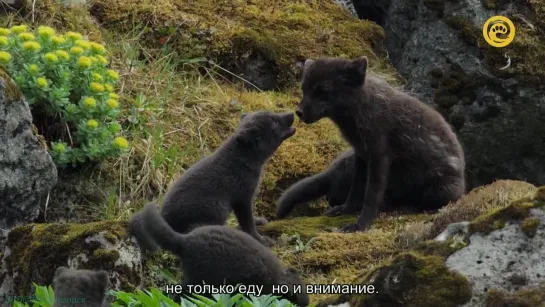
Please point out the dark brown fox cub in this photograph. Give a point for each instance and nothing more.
(85, 288)
(223, 182)
(220, 255)
(406, 153)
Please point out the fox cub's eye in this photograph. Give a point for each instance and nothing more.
(321, 90)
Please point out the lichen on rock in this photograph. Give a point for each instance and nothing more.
(504, 252)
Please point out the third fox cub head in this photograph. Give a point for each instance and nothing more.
(328, 85)
(265, 131)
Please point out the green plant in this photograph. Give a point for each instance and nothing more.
(44, 297)
(300, 246)
(66, 82)
(154, 297)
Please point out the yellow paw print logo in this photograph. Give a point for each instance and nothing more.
(499, 31)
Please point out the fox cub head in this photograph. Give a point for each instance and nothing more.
(264, 131)
(87, 287)
(329, 84)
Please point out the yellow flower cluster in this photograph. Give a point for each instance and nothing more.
(58, 39)
(59, 148)
(96, 87)
(112, 74)
(98, 48)
(63, 55)
(121, 142)
(41, 82)
(112, 103)
(19, 29)
(102, 59)
(97, 77)
(83, 44)
(5, 57)
(74, 35)
(90, 102)
(45, 31)
(84, 62)
(25, 36)
(33, 69)
(4, 31)
(76, 50)
(51, 58)
(92, 124)
(3, 41)
(31, 46)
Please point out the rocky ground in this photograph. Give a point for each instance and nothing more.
(189, 68)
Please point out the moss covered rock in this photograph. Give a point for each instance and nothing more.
(533, 296)
(260, 40)
(504, 253)
(411, 279)
(34, 251)
(479, 201)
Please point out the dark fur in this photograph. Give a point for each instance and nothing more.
(80, 284)
(405, 149)
(334, 183)
(220, 255)
(225, 181)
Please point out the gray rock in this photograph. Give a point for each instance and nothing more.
(373, 10)
(27, 172)
(505, 259)
(347, 4)
(499, 121)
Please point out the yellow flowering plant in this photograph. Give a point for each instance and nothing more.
(70, 89)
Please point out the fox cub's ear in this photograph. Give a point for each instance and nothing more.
(356, 71)
(247, 136)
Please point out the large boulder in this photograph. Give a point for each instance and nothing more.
(494, 260)
(438, 46)
(27, 172)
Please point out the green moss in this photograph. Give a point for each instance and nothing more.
(112, 238)
(412, 279)
(154, 269)
(527, 50)
(455, 86)
(38, 249)
(467, 31)
(529, 226)
(494, 220)
(528, 297)
(10, 89)
(499, 224)
(231, 31)
(306, 227)
(540, 194)
(434, 248)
